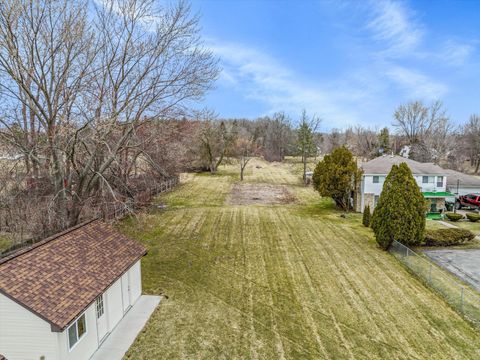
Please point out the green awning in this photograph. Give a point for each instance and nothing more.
(437, 194)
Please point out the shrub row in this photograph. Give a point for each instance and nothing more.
(446, 237)
(473, 217)
(453, 216)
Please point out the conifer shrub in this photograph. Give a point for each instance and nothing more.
(366, 216)
(473, 217)
(400, 212)
(447, 237)
(453, 216)
(336, 176)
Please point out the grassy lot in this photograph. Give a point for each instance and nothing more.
(5, 242)
(434, 225)
(292, 281)
(472, 226)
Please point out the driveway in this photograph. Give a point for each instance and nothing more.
(463, 263)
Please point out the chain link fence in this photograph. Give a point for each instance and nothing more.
(461, 297)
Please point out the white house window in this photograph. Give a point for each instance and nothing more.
(439, 181)
(375, 200)
(100, 310)
(428, 179)
(76, 331)
(378, 179)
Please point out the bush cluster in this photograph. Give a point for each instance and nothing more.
(473, 217)
(366, 216)
(453, 216)
(447, 237)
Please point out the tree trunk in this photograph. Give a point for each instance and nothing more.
(304, 160)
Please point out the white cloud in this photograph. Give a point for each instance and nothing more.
(264, 79)
(393, 25)
(416, 84)
(456, 54)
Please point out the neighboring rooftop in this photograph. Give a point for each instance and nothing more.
(61, 276)
(465, 179)
(383, 164)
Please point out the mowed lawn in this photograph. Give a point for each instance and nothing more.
(290, 281)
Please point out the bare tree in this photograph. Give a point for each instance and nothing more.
(425, 129)
(216, 140)
(245, 148)
(471, 138)
(276, 135)
(88, 81)
(366, 142)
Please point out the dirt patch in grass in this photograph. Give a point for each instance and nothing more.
(259, 194)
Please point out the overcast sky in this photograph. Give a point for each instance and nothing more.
(349, 62)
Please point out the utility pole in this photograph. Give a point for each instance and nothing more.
(455, 203)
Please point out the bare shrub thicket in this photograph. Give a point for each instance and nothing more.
(79, 89)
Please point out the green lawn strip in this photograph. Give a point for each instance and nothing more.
(5, 243)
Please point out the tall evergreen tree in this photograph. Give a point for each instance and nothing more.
(336, 176)
(400, 212)
(305, 142)
(383, 141)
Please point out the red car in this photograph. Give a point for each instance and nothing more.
(469, 200)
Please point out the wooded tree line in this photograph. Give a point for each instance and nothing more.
(81, 86)
(97, 105)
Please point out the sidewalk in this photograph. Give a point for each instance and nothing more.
(123, 336)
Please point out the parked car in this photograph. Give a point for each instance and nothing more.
(468, 201)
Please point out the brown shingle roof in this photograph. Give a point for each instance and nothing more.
(61, 276)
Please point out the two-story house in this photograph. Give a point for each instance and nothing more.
(431, 179)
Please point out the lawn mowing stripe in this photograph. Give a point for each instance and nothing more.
(330, 257)
(326, 316)
(428, 326)
(315, 282)
(345, 252)
(253, 344)
(266, 327)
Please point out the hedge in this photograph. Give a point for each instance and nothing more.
(446, 237)
(473, 217)
(453, 216)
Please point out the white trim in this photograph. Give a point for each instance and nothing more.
(74, 322)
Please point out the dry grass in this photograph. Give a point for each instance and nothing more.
(295, 281)
(259, 194)
(472, 226)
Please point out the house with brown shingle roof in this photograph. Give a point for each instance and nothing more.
(61, 297)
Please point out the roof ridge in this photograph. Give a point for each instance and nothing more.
(22, 251)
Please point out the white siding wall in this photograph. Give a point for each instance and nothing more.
(87, 345)
(23, 335)
(376, 188)
(135, 281)
(372, 188)
(113, 305)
